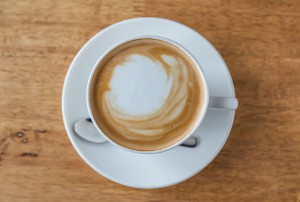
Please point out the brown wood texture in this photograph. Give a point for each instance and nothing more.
(259, 41)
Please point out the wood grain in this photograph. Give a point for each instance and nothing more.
(259, 41)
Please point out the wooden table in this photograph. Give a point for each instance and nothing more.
(259, 41)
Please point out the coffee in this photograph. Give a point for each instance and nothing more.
(146, 94)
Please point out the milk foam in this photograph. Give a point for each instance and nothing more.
(149, 89)
(147, 95)
(139, 86)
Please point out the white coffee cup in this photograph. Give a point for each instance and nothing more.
(95, 133)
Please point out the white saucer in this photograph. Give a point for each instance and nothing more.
(149, 170)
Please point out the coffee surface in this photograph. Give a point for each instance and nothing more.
(146, 95)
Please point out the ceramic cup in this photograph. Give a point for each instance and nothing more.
(226, 103)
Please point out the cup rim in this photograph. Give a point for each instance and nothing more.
(199, 69)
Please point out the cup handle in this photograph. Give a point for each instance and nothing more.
(223, 102)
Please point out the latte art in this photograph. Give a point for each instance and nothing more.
(147, 95)
(146, 103)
